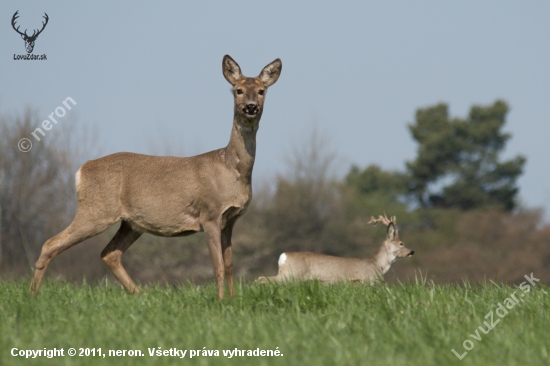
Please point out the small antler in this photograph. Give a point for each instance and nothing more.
(15, 16)
(43, 26)
(383, 220)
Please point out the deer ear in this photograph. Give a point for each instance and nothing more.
(231, 70)
(271, 72)
(392, 231)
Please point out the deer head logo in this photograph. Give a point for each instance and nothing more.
(29, 40)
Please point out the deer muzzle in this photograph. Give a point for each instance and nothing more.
(250, 109)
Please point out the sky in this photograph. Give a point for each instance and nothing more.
(148, 76)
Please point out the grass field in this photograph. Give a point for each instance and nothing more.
(310, 323)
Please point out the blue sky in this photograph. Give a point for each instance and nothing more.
(148, 74)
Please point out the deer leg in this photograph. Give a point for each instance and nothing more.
(227, 256)
(213, 234)
(79, 230)
(262, 279)
(112, 255)
(273, 279)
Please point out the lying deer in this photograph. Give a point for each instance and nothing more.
(326, 268)
(171, 196)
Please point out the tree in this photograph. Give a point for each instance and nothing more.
(458, 163)
(37, 197)
(304, 201)
(375, 180)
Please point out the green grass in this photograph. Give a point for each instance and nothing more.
(312, 324)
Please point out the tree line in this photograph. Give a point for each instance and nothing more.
(457, 202)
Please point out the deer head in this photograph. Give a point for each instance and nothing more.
(393, 244)
(249, 93)
(29, 40)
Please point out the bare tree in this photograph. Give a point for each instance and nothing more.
(305, 199)
(35, 199)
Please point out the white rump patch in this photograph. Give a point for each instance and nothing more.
(77, 179)
(282, 259)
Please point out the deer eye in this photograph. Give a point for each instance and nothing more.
(261, 92)
(401, 244)
(239, 91)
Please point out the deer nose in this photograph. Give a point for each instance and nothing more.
(251, 108)
(412, 252)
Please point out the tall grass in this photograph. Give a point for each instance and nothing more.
(311, 324)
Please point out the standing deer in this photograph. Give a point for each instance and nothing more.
(171, 196)
(326, 268)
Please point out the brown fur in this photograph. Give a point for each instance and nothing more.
(301, 266)
(171, 196)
